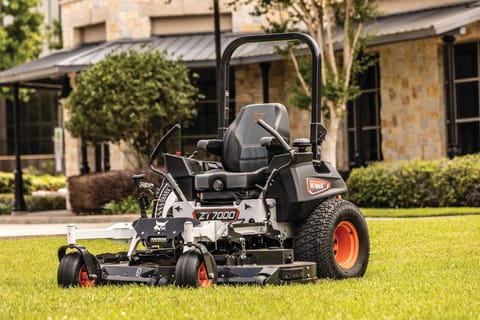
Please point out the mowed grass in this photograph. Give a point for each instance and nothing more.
(423, 268)
(419, 212)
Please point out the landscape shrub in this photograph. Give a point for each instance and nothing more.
(7, 183)
(47, 202)
(47, 182)
(122, 206)
(31, 182)
(5, 208)
(89, 193)
(33, 202)
(416, 183)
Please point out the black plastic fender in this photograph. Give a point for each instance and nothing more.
(91, 262)
(208, 259)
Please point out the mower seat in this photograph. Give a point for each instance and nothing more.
(243, 158)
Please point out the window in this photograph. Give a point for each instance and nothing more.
(364, 131)
(38, 119)
(466, 98)
(189, 24)
(205, 125)
(90, 34)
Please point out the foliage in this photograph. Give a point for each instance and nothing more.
(47, 202)
(46, 167)
(20, 35)
(31, 182)
(90, 192)
(324, 21)
(7, 183)
(48, 183)
(132, 96)
(122, 206)
(5, 208)
(419, 269)
(54, 35)
(417, 183)
(33, 202)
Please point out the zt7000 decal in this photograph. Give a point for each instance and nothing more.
(216, 214)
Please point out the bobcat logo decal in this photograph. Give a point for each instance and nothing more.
(258, 116)
(316, 186)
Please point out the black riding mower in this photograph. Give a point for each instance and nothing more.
(266, 213)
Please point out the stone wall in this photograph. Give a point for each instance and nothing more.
(131, 18)
(248, 89)
(412, 100)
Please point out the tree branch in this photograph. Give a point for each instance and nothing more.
(304, 85)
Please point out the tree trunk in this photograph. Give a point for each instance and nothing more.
(329, 146)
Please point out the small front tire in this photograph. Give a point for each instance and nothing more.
(191, 271)
(72, 272)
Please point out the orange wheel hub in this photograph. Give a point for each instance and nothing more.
(83, 278)
(203, 277)
(346, 245)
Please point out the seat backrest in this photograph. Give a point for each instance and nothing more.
(242, 151)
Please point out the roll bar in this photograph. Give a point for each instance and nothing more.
(317, 131)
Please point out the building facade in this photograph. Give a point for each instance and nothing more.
(420, 100)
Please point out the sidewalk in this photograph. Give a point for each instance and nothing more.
(54, 223)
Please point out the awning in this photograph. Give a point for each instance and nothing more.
(198, 50)
(422, 24)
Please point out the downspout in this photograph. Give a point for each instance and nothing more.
(265, 67)
(18, 201)
(452, 142)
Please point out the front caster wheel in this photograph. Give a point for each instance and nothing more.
(335, 236)
(190, 271)
(72, 271)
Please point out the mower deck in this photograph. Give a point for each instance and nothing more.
(265, 271)
(296, 272)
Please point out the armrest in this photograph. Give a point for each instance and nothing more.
(214, 146)
(270, 141)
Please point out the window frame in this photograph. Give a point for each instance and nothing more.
(459, 120)
(358, 158)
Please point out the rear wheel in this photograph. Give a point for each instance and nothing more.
(335, 236)
(72, 271)
(191, 271)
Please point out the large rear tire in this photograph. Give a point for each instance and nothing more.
(72, 272)
(335, 236)
(190, 271)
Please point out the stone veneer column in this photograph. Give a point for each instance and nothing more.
(412, 100)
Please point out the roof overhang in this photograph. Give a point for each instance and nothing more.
(422, 24)
(198, 50)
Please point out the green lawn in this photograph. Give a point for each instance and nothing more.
(419, 212)
(419, 269)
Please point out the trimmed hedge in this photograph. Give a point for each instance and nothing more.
(415, 183)
(31, 183)
(89, 193)
(46, 182)
(33, 202)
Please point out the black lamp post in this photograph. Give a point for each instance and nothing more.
(216, 22)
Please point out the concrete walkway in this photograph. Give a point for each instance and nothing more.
(54, 223)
